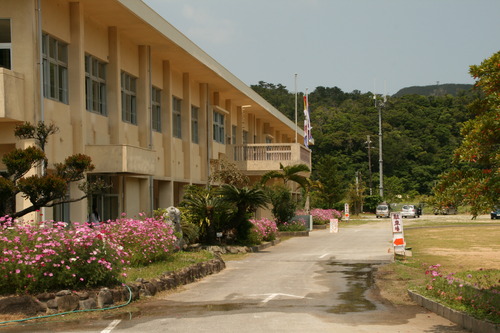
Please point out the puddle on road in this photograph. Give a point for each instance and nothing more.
(360, 280)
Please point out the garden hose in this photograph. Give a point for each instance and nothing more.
(69, 312)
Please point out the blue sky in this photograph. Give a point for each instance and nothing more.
(368, 45)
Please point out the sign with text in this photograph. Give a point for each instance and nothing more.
(346, 211)
(334, 225)
(398, 239)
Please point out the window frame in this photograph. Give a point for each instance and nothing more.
(7, 44)
(195, 129)
(129, 98)
(55, 69)
(156, 109)
(176, 117)
(218, 127)
(95, 76)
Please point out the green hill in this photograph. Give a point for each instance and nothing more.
(434, 90)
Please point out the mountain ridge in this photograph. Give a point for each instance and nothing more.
(434, 90)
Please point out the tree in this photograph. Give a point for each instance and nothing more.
(289, 173)
(247, 201)
(46, 189)
(225, 172)
(283, 206)
(475, 177)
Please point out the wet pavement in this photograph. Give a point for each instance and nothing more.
(320, 283)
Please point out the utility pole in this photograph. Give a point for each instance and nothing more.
(368, 142)
(379, 105)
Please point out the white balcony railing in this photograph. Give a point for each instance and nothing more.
(268, 156)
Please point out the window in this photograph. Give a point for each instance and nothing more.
(129, 98)
(156, 109)
(233, 134)
(245, 137)
(95, 85)
(218, 127)
(176, 117)
(5, 44)
(194, 124)
(55, 69)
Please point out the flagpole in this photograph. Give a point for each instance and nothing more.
(296, 128)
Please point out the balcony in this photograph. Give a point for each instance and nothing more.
(11, 95)
(122, 158)
(260, 158)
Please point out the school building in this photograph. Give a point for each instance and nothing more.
(125, 87)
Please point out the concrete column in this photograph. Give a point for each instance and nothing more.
(186, 125)
(166, 194)
(239, 125)
(144, 97)
(166, 119)
(227, 125)
(113, 82)
(204, 131)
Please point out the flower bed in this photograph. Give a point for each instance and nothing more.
(323, 216)
(477, 293)
(264, 230)
(46, 256)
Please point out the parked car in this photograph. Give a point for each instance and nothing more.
(495, 213)
(383, 210)
(411, 211)
(449, 210)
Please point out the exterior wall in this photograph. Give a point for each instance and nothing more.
(148, 168)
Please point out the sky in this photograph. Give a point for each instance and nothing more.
(368, 45)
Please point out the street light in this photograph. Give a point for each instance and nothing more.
(379, 104)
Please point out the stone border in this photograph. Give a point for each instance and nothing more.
(460, 318)
(87, 300)
(294, 233)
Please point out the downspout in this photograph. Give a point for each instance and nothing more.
(208, 136)
(150, 108)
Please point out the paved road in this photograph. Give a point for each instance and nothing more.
(320, 283)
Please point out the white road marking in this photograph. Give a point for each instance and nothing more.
(272, 296)
(111, 326)
(324, 255)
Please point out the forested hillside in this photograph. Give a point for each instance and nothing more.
(435, 90)
(419, 136)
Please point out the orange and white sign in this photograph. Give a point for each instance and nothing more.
(398, 239)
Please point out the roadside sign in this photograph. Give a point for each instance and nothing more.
(398, 239)
(346, 211)
(334, 225)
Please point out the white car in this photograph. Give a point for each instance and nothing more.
(410, 211)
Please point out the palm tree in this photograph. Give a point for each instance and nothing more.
(247, 201)
(207, 210)
(289, 173)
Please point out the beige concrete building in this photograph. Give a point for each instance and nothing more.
(144, 102)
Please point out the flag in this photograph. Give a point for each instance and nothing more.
(308, 139)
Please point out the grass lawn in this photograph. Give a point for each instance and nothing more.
(176, 261)
(461, 246)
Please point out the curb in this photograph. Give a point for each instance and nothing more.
(460, 318)
(294, 233)
(65, 301)
(263, 246)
